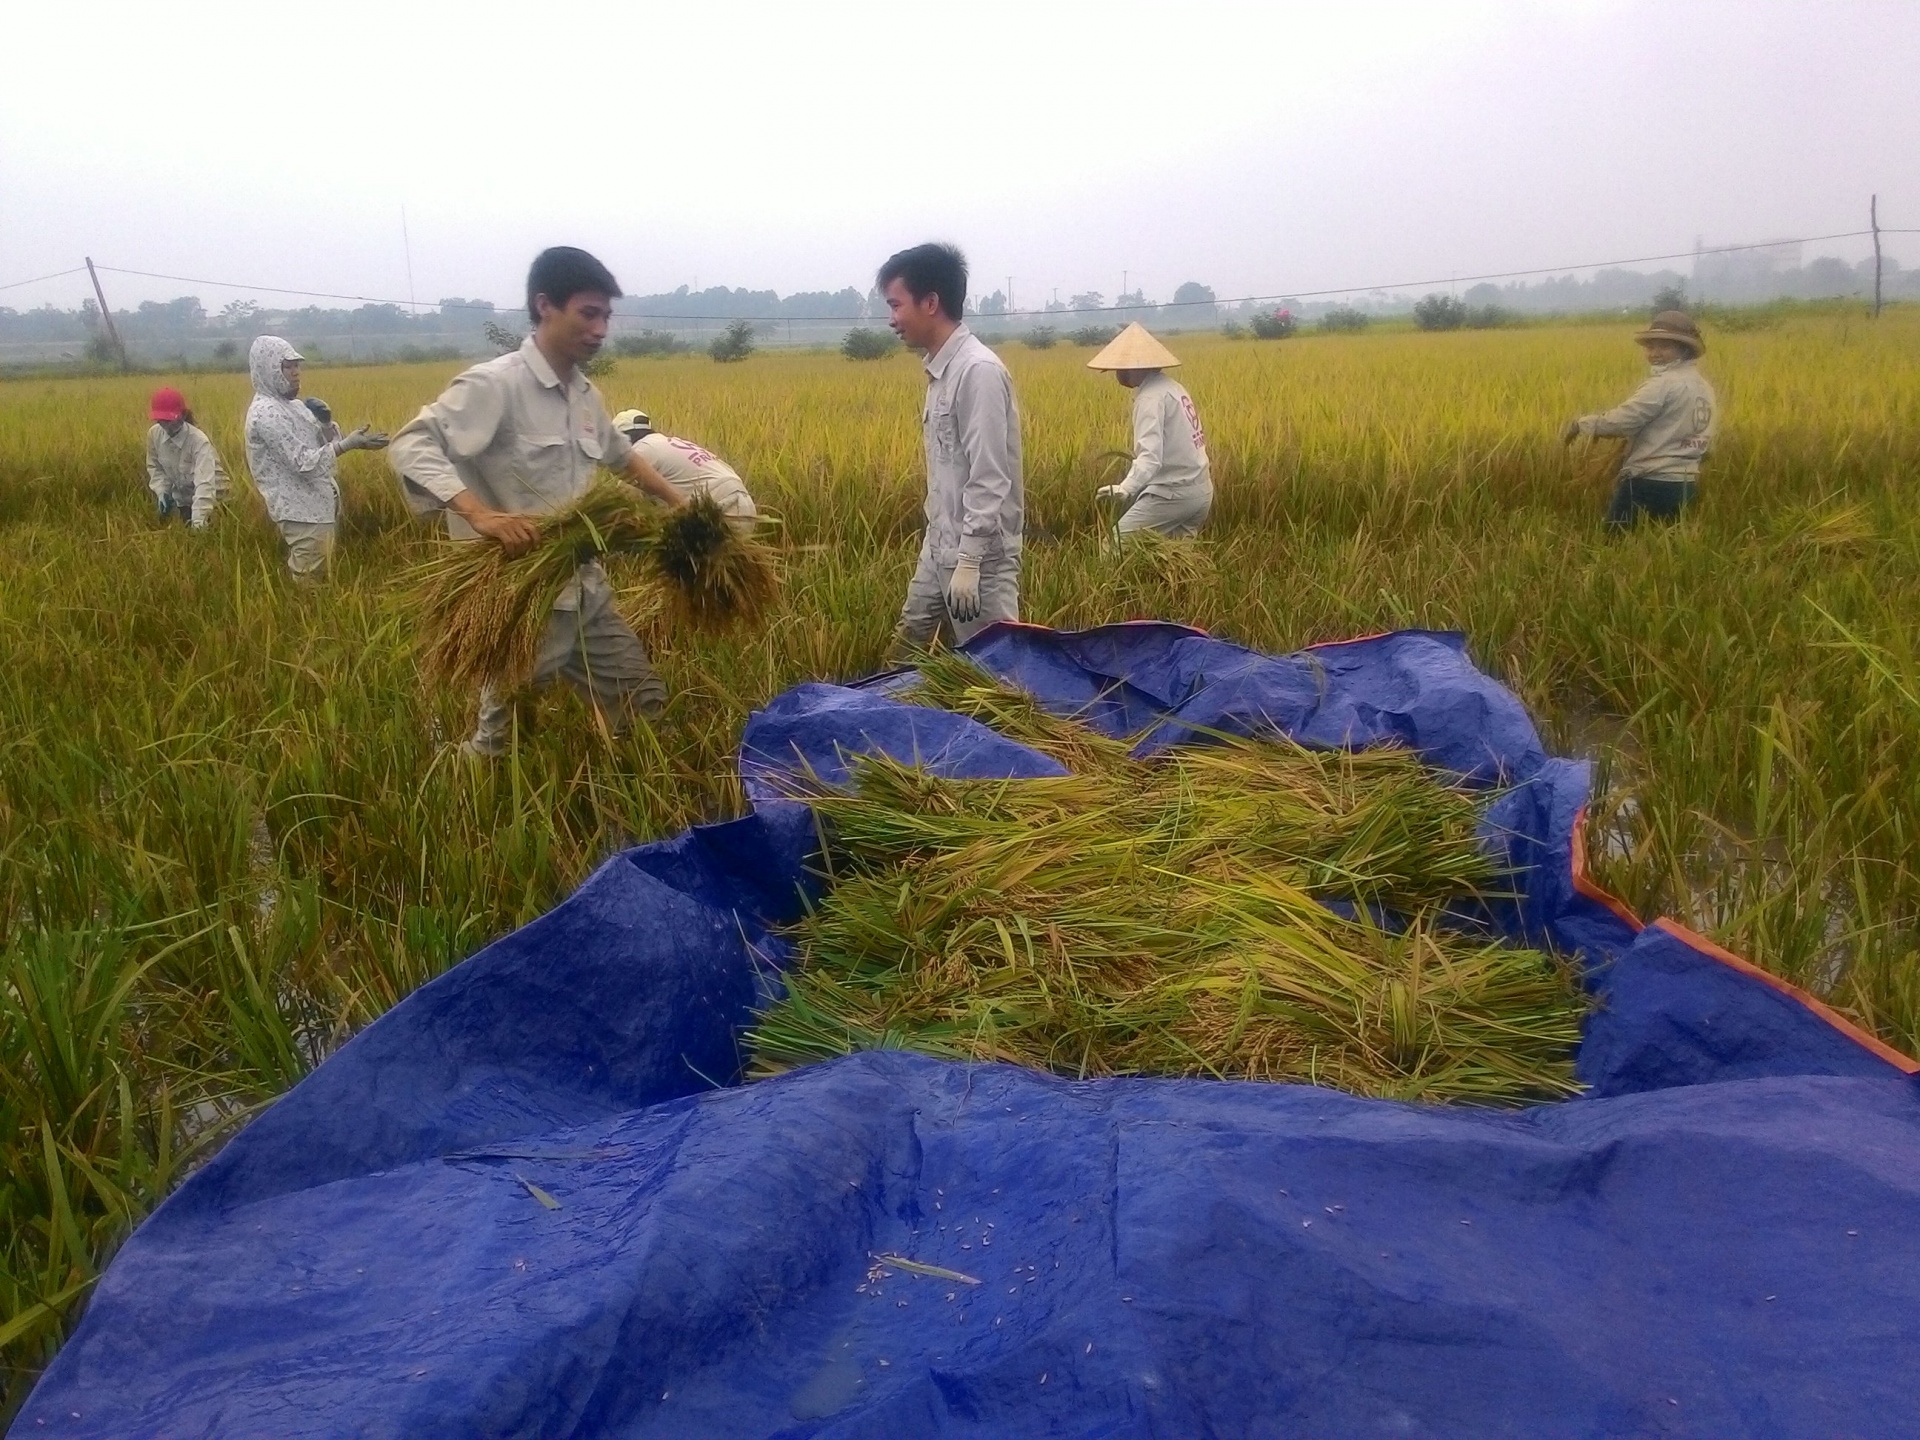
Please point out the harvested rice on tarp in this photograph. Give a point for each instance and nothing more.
(1169, 917)
(484, 613)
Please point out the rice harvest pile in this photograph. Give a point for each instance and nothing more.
(484, 613)
(1165, 918)
(230, 834)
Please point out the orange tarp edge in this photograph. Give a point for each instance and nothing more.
(1584, 883)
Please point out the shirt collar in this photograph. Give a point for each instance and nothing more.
(542, 371)
(937, 364)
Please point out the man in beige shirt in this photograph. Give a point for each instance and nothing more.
(522, 436)
(1669, 422)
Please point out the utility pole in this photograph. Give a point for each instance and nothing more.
(1011, 307)
(106, 316)
(1873, 214)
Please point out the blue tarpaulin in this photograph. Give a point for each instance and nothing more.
(532, 1199)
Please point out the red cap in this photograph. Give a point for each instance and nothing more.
(168, 404)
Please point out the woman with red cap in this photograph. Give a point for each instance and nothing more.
(183, 468)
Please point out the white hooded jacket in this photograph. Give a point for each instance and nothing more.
(293, 466)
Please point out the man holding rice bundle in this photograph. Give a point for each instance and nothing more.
(691, 469)
(1169, 488)
(969, 570)
(522, 436)
(183, 468)
(1669, 424)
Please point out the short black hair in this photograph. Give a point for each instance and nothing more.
(562, 272)
(934, 268)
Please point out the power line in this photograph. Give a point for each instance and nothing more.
(57, 275)
(1025, 314)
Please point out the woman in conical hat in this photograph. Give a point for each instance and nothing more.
(1169, 489)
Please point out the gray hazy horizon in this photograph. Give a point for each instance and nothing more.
(1259, 150)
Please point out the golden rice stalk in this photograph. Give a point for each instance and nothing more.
(483, 613)
(1597, 461)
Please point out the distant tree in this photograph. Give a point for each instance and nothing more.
(650, 342)
(1344, 317)
(1193, 293)
(735, 344)
(1091, 335)
(239, 314)
(1041, 337)
(1439, 312)
(865, 344)
(502, 339)
(1089, 300)
(1273, 324)
(994, 304)
(1670, 297)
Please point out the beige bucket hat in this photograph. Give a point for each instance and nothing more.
(1134, 349)
(1677, 326)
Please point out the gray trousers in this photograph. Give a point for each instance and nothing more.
(594, 651)
(309, 547)
(925, 614)
(1177, 516)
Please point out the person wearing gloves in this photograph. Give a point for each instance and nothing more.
(183, 468)
(322, 416)
(1169, 489)
(523, 436)
(1669, 422)
(969, 571)
(292, 462)
(690, 469)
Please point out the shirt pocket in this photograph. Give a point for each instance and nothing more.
(943, 430)
(543, 458)
(591, 448)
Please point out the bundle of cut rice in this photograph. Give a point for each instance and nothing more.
(1247, 908)
(484, 613)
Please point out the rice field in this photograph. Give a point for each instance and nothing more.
(232, 828)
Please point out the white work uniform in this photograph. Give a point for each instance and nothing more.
(1169, 489)
(695, 472)
(1672, 418)
(522, 441)
(976, 502)
(292, 465)
(184, 472)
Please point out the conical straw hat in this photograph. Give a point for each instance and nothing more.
(1134, 349)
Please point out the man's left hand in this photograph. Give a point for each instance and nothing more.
(963, 591)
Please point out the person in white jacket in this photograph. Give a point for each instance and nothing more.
(1169, 488)
(292, 464)
(1669, 422)
(691, 469)
(183, 469)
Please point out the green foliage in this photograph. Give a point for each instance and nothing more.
(865, 344)
(1669, 297)
(1041, 337)
(1092, 336)
(1439, 312)
(650, 342)
(1344, 318)
(735, 344)
(1273, 324)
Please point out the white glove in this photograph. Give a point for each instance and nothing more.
(1109, 492)
(365, 438)
(963, 590)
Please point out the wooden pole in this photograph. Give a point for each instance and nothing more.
(1873, 213)
(106, 316)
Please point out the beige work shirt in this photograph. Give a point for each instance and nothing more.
(976, 504)
(1169, 447)
(1672, 419)
(694, 472)
(186, 469)
(509, 431)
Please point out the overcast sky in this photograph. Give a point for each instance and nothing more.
(1259, 148)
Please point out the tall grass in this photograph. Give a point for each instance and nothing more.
(231, 829)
